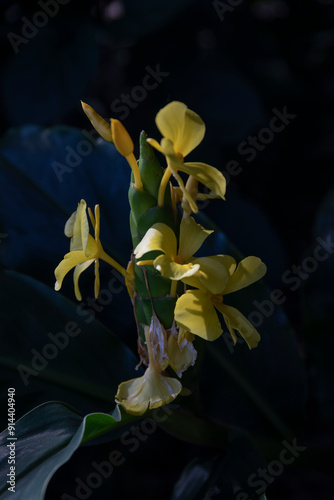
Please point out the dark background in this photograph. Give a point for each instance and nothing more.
(233, 68)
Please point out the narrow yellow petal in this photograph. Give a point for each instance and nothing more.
(70, 260)
(154, 144)
(195, 312)
(236, 321)
(207, 175)
(173, 270)
(249, 270)
(159, 237)
(80, 268)
(100, 125)
(121, 138)
(79, 228)
(192, 236)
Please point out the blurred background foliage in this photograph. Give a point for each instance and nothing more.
(264, 55)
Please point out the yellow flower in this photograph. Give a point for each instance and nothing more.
(196, 309)
(182, 131)
(153, 389)
(84, 249)
(174, 263)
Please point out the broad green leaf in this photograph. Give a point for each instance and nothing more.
(46, 438)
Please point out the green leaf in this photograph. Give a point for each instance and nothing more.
(46, 438)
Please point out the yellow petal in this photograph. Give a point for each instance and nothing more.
(100, 125)
(181, 357)
(207, 175)
(70, 260)
(76, 275)
(159, 237)
(192, 236)
(180, 125)
(121, 138)
(236, 321)
(195, 312)
(213, 275)
(249, 270)
(173, 270)
(152, 390)
(154, 144)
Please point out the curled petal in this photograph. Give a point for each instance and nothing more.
(181, 356)
(80, 268)
(71, 260)
(249, 270)
(150, 391)
(154, 144)
(173, 270)
(159, 237)
(207, 175)
(77, 228)
(236, 321)
(195, 312)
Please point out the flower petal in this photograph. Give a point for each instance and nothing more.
(212, 277)
(173, 270)
(79, 227)
(249, 270)
(192, 236)
(70, 260)
(195, 312)
(152, 390)
(80, 268)
(209, 176)
(181, 125)
(236, 321)
(159, 237)
(122, 140)
(154, 144)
